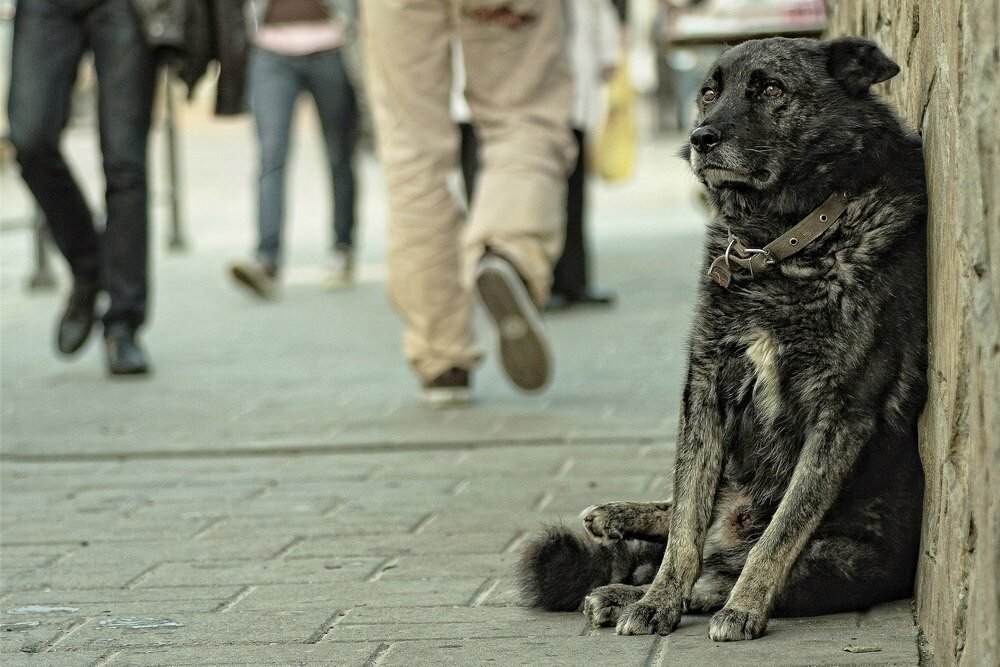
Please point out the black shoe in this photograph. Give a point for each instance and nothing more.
(78, 318)
(588, 297)
(449, 388)
(125, 357)
(524, 350)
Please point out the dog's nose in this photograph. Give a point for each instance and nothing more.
(705, 138)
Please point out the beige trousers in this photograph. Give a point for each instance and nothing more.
(519, 89)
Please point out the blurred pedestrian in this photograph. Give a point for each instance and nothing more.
(50, 37)
(594, 50)
(519, 90)
(299, 46)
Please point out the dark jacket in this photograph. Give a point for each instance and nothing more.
(190, 34)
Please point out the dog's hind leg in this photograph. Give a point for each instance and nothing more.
(837, 574)
(629, 521)
(830, 450)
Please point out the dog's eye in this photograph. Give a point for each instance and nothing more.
(772, 90)
(708, 95)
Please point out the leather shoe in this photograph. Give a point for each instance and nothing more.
(125, 357)
(588, 297)
(78, 319)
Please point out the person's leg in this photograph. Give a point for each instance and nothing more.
(48, 45)
(570, 273)
(519, 88)
(126, 81)
(469, 159)
(275, 83)
(410, 76)
(327, 80)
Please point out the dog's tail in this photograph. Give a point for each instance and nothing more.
(559, 567)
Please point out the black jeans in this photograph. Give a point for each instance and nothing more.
(569, 277)
(50, 37)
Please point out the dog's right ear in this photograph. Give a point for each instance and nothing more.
(858, 64)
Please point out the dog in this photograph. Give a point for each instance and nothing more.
(797, 481)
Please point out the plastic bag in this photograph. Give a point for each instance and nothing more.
(614, 152)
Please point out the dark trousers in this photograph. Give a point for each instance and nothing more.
(570, 273)
(569, 277)
(50, 37)
(275, 84)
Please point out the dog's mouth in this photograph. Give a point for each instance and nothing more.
(720, 176)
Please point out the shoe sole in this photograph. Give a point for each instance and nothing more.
(524, 350)
(440, 397)
(250, 281)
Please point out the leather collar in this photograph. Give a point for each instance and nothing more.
(737, 257)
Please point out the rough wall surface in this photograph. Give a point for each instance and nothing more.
(949, 92)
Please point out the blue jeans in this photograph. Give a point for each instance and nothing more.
(275, 83)
(50, 37)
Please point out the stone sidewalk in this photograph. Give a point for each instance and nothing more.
(276, 494)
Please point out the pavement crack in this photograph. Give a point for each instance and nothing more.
(657, 483)
(425, 521)
(281, 553)
(483, 592)
(462, 485)
(387, 564)
(327, 626)
(228, 603)
(66, 555)
(515, 542)
(141, 577)
(544, 500)
(565, 467)
(209, 527)
(106, 658)
(376, 658)
(655, 656)
(334, 507)
(62, 636)
(465, 445)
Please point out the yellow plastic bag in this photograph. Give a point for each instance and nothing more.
(614, 152)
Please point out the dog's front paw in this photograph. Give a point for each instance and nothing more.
(643, 618)
(605, 522)
(733, 625)
(605, 604)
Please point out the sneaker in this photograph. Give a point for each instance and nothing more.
(524, 350)
(449, 388)
(258, 276)
(340, 270)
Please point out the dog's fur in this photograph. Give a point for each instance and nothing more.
(797, 482)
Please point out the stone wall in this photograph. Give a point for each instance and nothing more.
(949, 92)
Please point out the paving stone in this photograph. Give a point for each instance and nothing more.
(423, 543)
(193, 629)
(301, 655)
(354, 595)
(301, 571)
(55, 659)
(521, 651)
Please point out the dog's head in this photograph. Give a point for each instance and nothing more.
(777, 109)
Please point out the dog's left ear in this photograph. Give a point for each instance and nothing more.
(858, 64)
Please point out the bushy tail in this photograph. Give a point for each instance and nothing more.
(559, 567)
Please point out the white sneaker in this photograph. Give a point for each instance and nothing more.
(340, 270)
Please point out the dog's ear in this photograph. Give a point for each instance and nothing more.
(858, 63)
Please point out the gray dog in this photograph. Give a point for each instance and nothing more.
(797, 482)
